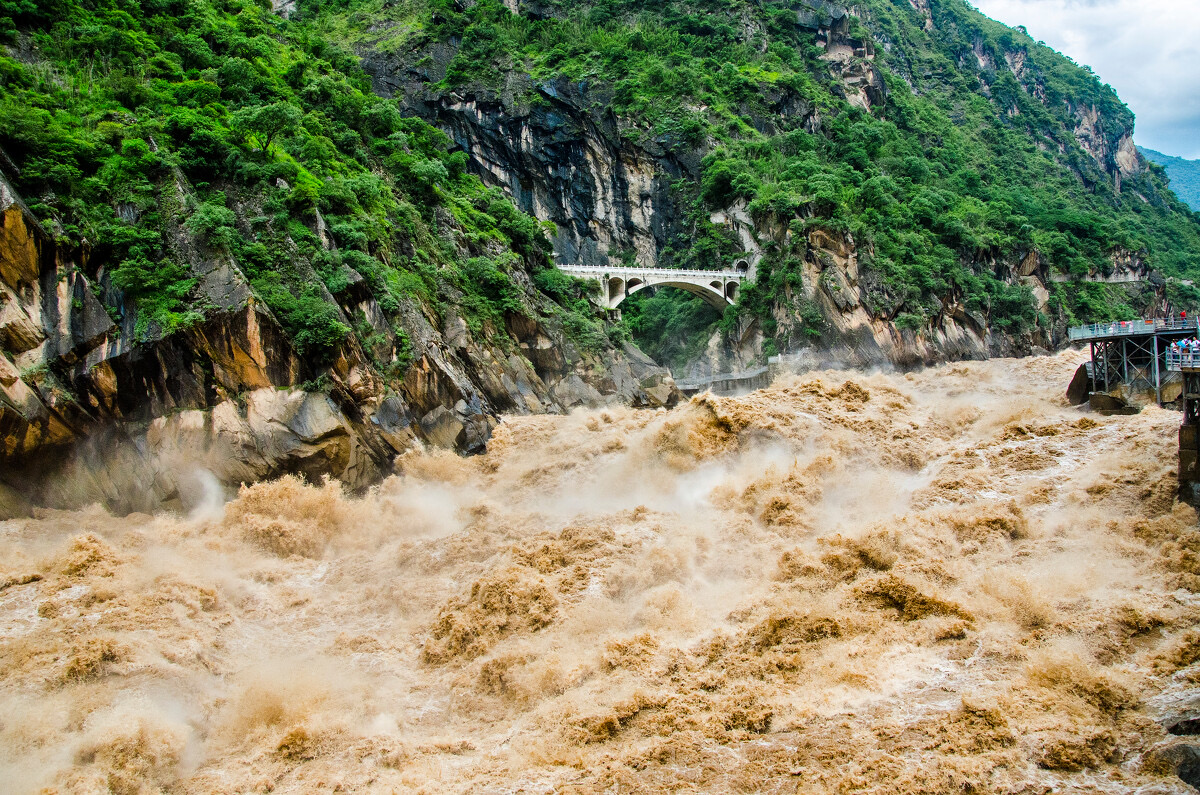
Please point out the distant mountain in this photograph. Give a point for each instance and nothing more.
(1184, 175)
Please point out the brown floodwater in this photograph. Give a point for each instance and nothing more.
(945, 581)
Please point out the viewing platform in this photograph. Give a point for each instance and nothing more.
(1130, 358)
(1135, 361)
(1183, 360)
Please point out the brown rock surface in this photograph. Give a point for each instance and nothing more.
(131, 415)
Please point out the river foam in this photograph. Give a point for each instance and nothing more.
(946, 581)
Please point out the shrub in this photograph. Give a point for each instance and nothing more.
(213, 222)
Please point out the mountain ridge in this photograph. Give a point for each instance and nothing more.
(1184, 175)
(943, 146)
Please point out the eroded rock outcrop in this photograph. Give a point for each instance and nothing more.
(850, 319)
(130, 417)
(562, 155)
(1108, 143)
(559, 156)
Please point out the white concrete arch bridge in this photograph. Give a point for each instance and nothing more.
(718, 288)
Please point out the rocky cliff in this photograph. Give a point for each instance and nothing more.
(850, 329)
(619, 187)
(559, 154)
(139, 423)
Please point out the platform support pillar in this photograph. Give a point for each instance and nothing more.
(1189, 439)
(1157, 379)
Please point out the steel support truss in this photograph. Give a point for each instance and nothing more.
(1138, 362)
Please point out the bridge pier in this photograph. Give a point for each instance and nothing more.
(1185, 360)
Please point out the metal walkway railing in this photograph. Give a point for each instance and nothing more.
(1125, 328)
(1183, 358)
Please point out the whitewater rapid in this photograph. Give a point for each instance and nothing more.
(944, 581)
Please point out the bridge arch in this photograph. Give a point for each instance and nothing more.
(616, 289)
(712, 295)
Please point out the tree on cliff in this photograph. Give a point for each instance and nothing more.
(262, 124)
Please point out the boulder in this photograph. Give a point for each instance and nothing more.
(1173, 757)
(1080, 386)
(442, 427)
(1108, 404)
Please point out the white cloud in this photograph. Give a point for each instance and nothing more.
(1148, 50)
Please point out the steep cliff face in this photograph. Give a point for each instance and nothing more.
(843, 324)
(1000, 59)
(559, 154)
(130, 421)
(613, 190)
(717, 172)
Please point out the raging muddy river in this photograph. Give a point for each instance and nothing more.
(946, 581)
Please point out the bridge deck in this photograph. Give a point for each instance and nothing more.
(718, 288)
(656, 273)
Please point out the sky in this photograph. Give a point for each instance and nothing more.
(1148, 50)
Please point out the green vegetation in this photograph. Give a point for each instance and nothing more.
(672, 326)
(575, 311)
(173, 133)
(1184, 175)
(970, 162)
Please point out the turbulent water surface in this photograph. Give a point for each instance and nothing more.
(946, 581)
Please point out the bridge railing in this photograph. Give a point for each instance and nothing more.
(663, 273)
(1122, 328)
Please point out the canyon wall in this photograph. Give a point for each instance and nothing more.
(616, 194)
(130, 414)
